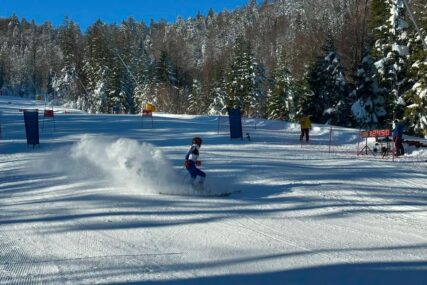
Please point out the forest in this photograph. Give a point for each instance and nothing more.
(355, 63)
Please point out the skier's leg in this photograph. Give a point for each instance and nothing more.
(201, 176)
(192, 169)
(307, 134)
(200, 173)
(402, 149)
(399, 146)
(202, 179)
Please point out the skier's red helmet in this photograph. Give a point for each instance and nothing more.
(197, 140)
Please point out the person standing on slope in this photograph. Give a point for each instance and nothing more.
(398, 137)
(191, 162)
(305, 123)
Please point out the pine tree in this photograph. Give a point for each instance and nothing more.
(245, 81)
(122, 45)
(66, 84)
(415, 113)
(257, 95)
(236, 83)
(164, 70)
(218, 105)
(368, 107)
(97, 69)
(166, 88)
(327, 81)
(304, 97)
(217, 95)
(144, 70)
(195, 100)
(390, 51)
(281, 100)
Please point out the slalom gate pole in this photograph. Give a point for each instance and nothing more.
(358, 143)
(393, 151)
(330, 139)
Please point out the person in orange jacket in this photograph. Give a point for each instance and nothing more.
(305, 123)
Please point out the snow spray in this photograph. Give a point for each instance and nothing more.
(138, 167)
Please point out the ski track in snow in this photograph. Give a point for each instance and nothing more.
(68, 216)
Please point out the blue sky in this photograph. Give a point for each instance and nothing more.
(86, 12)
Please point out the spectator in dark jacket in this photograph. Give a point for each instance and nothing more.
(398, 137)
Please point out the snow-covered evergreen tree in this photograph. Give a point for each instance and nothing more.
(144, 71)
(142, 96)
(368, 107)
(97, 69)
(100, 94)
(244, 81)
(304, 97)
(327, 81)
(281, 99)
(258, 95)
(65, 86)
(237, 78)
(218, 93)
(415, 113)
(195, 100)
(390, 52)
(166, 88)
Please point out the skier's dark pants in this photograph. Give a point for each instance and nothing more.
(399, 146)
(304, 131)
(194, 171)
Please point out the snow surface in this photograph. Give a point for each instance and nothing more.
(84, 206)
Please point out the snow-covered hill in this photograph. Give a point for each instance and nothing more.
(84, 206)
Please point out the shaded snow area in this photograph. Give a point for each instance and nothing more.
(104, 199)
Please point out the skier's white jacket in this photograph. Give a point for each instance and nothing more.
(193, 153)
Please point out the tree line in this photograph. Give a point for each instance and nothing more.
(344, 62)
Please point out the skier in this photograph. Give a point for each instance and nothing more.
(305, 123)
(191, 163)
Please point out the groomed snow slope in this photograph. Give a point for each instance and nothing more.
(84, 206)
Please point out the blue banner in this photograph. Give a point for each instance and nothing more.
(235, 119)
(31, 118)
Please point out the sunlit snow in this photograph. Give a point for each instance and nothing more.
(85, 206)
